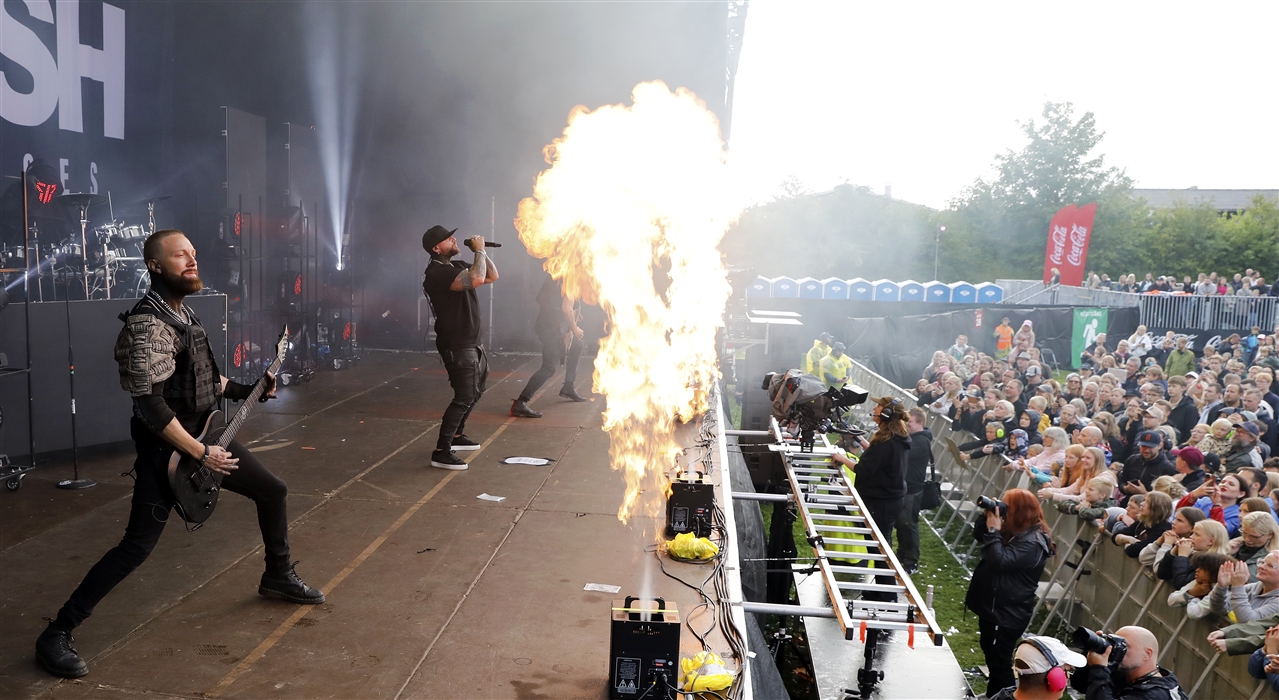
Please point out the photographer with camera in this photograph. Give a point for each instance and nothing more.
(1123, 666)
(1015, 547)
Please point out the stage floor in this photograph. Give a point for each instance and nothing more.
(432, 592)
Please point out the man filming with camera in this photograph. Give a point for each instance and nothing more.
(1124, 666)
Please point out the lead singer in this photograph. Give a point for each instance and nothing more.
(450, 286)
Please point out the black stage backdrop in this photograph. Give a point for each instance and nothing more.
(102, 407)
(897, 339)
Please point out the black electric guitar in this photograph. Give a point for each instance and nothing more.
(196, 487)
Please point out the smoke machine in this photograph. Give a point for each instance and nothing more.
(643, 649)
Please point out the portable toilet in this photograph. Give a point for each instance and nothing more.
(912, 291)
(989, 293)
(960, 293)
(834, 288)
(761, 287)
(860, 290)
(809, 288)
(887, 290)
(938, 292)
(785, 287)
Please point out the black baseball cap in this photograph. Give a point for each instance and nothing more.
(434, 236)
(1150, 438)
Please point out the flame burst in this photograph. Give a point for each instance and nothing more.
(637, 199)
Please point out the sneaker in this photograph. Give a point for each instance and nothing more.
(288, 586)
(571, 394)
(447, 460)
(520, 409)
(55, 654)
(462, 442)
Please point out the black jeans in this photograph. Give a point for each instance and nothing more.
(152, 503)
(999, 644)
(552, 355)
(468, 370)
(883, 512)
(908, 531)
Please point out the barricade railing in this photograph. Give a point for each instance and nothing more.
(1208, 313)
(1091, 582)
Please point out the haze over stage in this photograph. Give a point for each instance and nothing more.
(432, 592)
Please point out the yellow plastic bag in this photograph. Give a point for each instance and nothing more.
(686, 546)
(704, 672)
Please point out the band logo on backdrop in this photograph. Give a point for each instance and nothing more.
(1068, 236)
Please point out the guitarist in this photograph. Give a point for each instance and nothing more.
(168, 368)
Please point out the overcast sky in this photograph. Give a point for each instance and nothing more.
(922, 95)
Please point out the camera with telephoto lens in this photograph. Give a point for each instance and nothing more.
(1090, 641)
(991, 505)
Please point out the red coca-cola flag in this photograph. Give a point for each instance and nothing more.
(1068, 237)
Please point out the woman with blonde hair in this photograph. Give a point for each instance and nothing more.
(1258, 536)
(1109, 427)
(1091, 463)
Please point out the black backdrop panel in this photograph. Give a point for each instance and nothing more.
(102, 407)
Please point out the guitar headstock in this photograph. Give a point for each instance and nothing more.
(282, 345)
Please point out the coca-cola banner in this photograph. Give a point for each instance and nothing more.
(1068, 236)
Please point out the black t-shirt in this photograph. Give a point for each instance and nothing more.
(550, 313)
(457, 314)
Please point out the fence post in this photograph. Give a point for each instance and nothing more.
(1207, 670)
(1070, 586)
(1122, 599)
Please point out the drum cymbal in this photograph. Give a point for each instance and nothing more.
(149, 200)
(80, 199)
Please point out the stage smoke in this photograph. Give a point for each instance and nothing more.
(630, 216)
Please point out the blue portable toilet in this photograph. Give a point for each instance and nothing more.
(785, 287)
(960, 293)
(860, 290)
(938, 292)
(809, 288)
(834, 288)
(761, 287)
(887, 290)
(989, 293)
(912, 291)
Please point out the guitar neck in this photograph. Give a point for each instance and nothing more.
(242, 413)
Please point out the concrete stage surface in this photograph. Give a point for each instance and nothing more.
(432, 592)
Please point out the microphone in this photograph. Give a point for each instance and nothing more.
(487, 244)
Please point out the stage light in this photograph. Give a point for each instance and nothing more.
(334, 61)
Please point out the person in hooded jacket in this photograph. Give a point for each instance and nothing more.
(1014, 550)
(1029, 422)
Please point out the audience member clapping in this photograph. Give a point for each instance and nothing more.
(1233, 594)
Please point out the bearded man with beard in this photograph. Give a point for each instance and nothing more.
(166, 365)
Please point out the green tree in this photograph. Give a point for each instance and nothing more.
(1006, 218)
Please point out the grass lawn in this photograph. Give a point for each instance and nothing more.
(939, 569)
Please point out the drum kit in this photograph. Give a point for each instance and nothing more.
(104, 261)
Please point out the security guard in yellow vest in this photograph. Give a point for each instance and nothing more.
(820, 349)
(836, 366)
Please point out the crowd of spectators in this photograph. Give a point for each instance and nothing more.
(1173, 455)
(1249, 284)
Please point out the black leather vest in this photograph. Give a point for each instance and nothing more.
(196, 383)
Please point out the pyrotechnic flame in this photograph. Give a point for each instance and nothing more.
(638, 198)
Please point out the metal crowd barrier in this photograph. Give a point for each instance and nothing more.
(1209, 313)
(1091, 582)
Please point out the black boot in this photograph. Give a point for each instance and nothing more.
(288, 586)
(520, 409)
(54, 652)
(571, 394)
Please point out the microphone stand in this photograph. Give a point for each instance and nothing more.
(75, 483)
